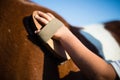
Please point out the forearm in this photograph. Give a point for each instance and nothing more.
(86, 60)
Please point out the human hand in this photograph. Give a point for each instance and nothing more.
(45, 18)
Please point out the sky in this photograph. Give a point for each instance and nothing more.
(84, 12)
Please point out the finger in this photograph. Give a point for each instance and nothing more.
(37, 31)
(43, 20)
(51, 15)
(44, 15)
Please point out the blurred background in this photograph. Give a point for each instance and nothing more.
(84, 12)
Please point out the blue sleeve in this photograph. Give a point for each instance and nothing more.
(116, 66)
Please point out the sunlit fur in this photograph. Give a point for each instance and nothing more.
(23, 56)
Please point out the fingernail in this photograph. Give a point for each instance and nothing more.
(37, 31)
(36, 16)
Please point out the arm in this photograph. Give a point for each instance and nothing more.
(92, 65)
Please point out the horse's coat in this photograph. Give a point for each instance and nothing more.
(109, 46)
(23, 56)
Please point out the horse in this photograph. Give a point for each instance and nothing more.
(102, 39)
(23, 56)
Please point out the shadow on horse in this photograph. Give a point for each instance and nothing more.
(22, 55)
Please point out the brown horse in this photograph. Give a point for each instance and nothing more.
(23, 56)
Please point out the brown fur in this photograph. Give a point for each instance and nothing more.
(22, 55)
(114, 28)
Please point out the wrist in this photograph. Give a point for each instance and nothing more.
(62, 32)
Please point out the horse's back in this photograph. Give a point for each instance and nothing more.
(21, 56)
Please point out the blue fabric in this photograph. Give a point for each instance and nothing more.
(98, 45)
(116, 66)
(94, 41)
